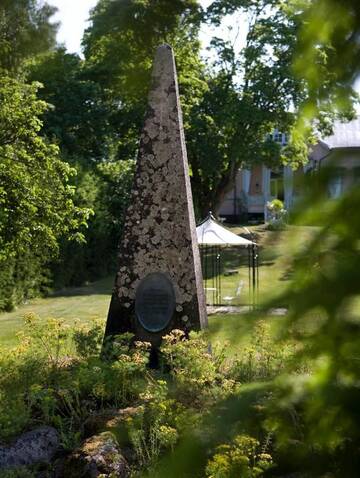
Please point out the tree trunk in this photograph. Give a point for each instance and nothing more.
(225, 185)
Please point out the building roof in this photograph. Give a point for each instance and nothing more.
(345, 135)
(209, 232)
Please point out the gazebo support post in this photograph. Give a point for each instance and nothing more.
(219, 273)
(215, 277)
(212, 273)
(206, 270)
(253, 250)
(257, 274)
(249, 273)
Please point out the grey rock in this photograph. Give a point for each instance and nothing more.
(100, 455)
(36, 446)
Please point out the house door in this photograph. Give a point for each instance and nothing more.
(277, 185)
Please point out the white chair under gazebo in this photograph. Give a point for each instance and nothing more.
(212, 237)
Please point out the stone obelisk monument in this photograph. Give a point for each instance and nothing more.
(159, 285)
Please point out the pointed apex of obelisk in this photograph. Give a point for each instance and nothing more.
(164, 47)
(163, 52)
(164, 80)
(164, 59)
(159, 283)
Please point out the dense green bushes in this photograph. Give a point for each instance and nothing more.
(106, 190)
(58, 148)
(36, 199)
(242, 458)
(59, 225)
(55, 377)
(22, 276)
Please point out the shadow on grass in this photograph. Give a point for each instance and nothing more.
(101, 287)
(288, 274)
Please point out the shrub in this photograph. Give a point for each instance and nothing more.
(194, 369)
(88, 339)
(277, 215)
(263, 358)
(151, 430)
(48, 380)
(56, 377)
(242, 458)
(37, 199)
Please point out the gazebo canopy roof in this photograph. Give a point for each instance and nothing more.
(211, 233)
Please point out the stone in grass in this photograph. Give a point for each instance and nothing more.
(36, 446)
(98, 456)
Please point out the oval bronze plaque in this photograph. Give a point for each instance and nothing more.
(155, 302)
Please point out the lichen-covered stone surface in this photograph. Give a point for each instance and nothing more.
(37, 446)
(98, 456)
(159, 233)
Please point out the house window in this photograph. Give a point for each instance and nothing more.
(356, 176)
(279, 137)
(336, 187)
(277, 186)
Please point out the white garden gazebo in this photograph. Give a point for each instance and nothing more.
(212, 237)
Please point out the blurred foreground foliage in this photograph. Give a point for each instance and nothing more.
(56, 377)
(324, 317)
(325, 294)
(328, 55)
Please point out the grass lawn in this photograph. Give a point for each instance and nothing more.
(82, 303)
(92, 301)
(275, 251)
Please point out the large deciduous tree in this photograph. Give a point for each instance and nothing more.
(36, 200)
(119, 48)
(37, 208)
(251, 93)
(247, 98)
(78, 119)
(230, 106)
(25, 30)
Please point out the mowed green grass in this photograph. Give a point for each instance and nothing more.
(76, 304)
(276, 250)
(92, 301)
